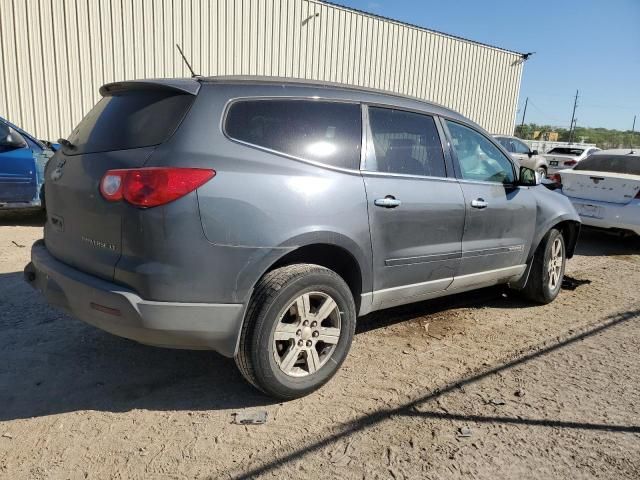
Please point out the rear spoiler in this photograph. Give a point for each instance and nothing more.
(179, 85)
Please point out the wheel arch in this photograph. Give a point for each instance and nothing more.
(569, 230)
(331, 256)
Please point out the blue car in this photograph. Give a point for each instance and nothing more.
(22, 162)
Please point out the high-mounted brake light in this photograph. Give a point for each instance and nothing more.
(152, 186)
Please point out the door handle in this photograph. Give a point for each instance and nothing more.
(387, 202)
(479, 203)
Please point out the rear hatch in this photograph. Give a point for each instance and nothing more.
(563, 157)
(121, 131)
(604, 178)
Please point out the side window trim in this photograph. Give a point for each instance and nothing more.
(368, 148)
(457, 162)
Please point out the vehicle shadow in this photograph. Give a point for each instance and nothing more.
(30, 218)
(593, 242)
(51, 363)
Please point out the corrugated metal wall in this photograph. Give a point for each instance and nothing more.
(55, 54)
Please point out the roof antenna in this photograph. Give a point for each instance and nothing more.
(193, 74)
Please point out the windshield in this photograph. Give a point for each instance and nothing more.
(567, 151)
(629, 164)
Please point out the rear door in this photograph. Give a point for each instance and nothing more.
(18, 183)
(121, 131)
(416, 211)
(500, 216)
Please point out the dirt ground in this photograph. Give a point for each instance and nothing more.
(479, 385)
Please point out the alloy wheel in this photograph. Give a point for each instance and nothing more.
(306, 335)
(555, 264)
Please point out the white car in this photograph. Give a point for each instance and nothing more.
(605, 189)
(560, 158)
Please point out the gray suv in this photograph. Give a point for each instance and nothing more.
(261, 217)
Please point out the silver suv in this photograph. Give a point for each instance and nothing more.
(261, 217)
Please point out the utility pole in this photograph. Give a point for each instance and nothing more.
(524, 114)
(633, 130)
(573, 117)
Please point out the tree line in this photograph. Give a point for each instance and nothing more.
(602, 137)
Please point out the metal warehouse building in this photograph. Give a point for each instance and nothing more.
(55, 54)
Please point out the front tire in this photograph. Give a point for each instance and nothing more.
(297, 331)
(547, 271)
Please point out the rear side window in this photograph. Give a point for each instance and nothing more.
(405, 142)
(132, 119)
(613, 164)
(325, 132)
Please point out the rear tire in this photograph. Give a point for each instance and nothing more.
(542, 171)
(288, 354)
(547, 271)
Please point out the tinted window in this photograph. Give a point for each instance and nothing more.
(479, 159)
(405, 143)
(326, 132)
(506, 143)
(520, 147)
(567, 151)
(612, 164)
(131, 119)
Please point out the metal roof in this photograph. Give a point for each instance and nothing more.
(419, 27)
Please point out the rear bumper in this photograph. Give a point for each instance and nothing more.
(35, 204)
(122, 312)
(609, 215)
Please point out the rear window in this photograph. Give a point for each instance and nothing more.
(567, 151)
(132, 119)
(612, 164)
(325, 132)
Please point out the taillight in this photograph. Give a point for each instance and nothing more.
(570, 163)
(555, 178)
(152, 186)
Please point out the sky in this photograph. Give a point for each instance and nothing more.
(588, 45)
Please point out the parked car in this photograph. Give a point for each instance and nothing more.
(260, 217)
(561, 158)
(22, 161)
(605, 190)
(523, 154)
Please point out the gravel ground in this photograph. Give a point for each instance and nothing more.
(480, 385)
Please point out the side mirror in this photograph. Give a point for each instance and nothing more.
(529, 177)
(12, 140)
(535, 152)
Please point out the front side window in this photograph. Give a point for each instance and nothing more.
(325, 132)
(506, 143)
(479, 159)
(521, 147)
(406, 143)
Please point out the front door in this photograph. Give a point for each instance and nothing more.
(416, 212)
(500, 216)
(18, 182)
